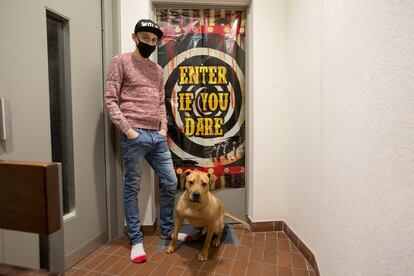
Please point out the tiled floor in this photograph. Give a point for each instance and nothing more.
(267, 253)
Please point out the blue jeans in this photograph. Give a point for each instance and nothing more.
(152, 146)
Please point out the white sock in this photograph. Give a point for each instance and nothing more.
(183, 237)
(138, 254)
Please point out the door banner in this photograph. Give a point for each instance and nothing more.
(202, 54)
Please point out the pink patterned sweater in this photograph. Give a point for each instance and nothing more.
(134, 93)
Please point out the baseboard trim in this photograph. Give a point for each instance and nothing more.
(149, 229)
(87, 248)
(266, 226)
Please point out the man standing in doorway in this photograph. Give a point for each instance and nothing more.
(135, 102)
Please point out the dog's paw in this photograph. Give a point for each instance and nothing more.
(170, 249)
(202, 257)
(216, 242)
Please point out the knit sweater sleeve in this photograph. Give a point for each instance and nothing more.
(162, 102)
(112, 95)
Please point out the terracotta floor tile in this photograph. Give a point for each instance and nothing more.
(146, 268)
(254, 269)
(195, 264)
(270, 256)
(85, 260)
(189, 272)
(259, 241)
(209, 265)
(229, 251)
(298, 261)
(246, 241)
(105, 265)
(259, 234)
(157, 257)
(170, 259)
(80, 272)
(99, 258)
(118, 266)
(269, 270)
(224, 266)
(131, 269)
(149, 250)
(283, 245)
(300, 272)
(189, 252)
(271, 235)
(94, 273)
(256, 255)
(270, 243)
(312, 273)
(123, 250)
(205, 273)
(175, 271)
(284, 258)
(182, 262)
(284, 271)
(243, 253)
(112, 247)
(219, 251)
(239, 268)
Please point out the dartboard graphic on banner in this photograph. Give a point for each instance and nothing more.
(202, 54)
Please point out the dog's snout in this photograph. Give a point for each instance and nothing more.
(196, 195)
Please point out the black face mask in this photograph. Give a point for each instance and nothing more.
(145, 49)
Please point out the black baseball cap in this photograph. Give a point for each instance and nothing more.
(146, 25)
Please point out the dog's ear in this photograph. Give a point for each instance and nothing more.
(213, 179)
(184, 175)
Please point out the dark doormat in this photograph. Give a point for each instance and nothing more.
(229, 237)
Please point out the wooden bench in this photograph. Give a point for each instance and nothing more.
(30, 201)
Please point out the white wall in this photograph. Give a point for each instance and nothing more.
(303, 117)
(351, 147)
(267, 110)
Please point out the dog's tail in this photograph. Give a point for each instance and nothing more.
(238, 220)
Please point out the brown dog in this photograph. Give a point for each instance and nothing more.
(202, 209)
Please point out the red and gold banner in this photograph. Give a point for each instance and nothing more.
(203, 57)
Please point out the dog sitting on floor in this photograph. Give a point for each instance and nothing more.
(201, 209)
